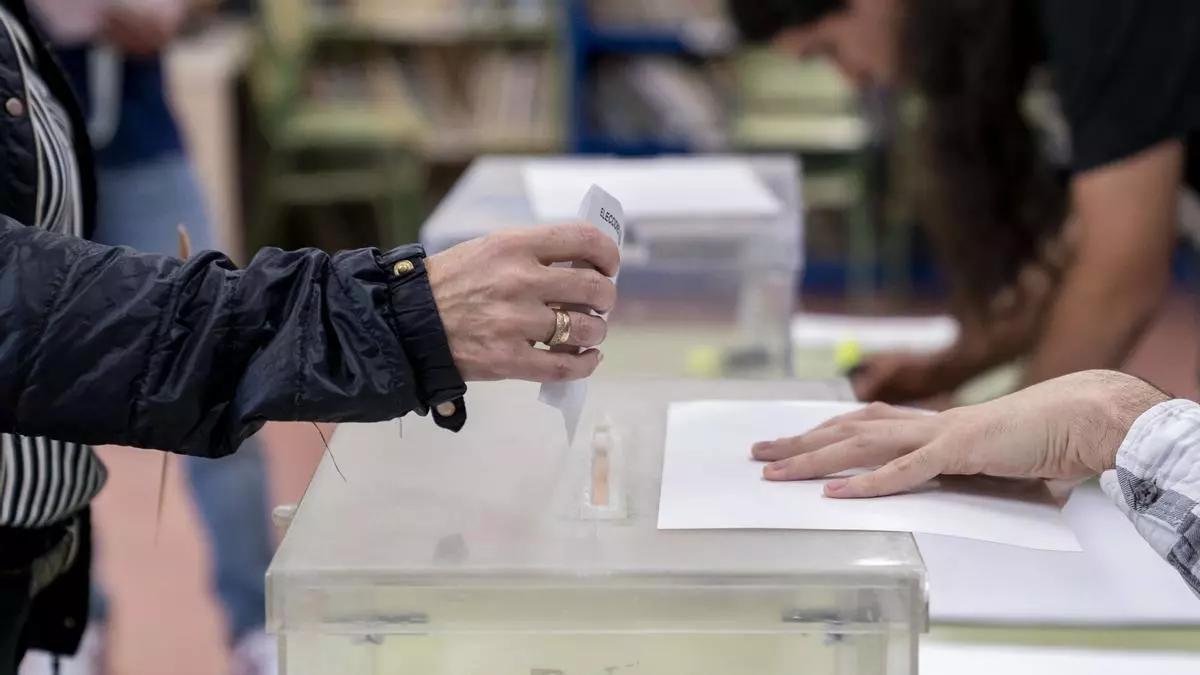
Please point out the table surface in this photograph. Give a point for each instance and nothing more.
(505, 485)
(1117, 582)
(940, 657)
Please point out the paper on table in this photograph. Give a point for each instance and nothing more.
(1005, 585)
(875, 333)
(710, 482)
(651, 188)
(603, 212)
(948, 658)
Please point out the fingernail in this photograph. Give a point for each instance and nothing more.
(776, 466)
(760, 446)
(600, 356)
(836, 486)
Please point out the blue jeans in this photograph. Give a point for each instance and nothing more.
(141, 206)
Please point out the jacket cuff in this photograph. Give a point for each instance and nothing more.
(418, 325)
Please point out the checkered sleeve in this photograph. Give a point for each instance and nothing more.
(1157, 483)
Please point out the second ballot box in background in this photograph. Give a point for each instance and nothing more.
(710, 262)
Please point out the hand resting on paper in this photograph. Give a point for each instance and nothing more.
(1067, 428)
(495, 293)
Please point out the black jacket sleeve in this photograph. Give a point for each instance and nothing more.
(104, 345)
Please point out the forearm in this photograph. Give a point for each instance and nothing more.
(1125, 215)
(111, 346)
(1156, 483)
(968, 358)
(980, 347)
(1094, 322)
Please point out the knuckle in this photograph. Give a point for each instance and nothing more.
(789, 447)
(588, 235)
(504, 242)
(800, 466)
(914, 462)
(607, 293)
(560, 368)
(589, 364)
(508, 281)
(599, 332)
(865, 440)
(504, 320)
(851, 428)
(526, 277)
(877, 409)
(785, 467)
(594, 287)
(610, 251)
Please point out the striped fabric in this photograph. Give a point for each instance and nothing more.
(43, 481)
(1157, 483)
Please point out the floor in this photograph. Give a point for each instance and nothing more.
(147, 576)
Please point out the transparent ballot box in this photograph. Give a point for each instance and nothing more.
(501, 550)
(703, 295)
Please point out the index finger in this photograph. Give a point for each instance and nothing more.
(574, 242)
(899, 475)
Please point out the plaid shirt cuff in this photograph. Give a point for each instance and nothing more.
(1157, 483)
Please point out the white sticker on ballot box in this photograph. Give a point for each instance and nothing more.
(604, 212)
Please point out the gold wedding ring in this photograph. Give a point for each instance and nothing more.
(562, 328)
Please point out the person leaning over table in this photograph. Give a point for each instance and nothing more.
(106, 345)
(1069, 280)
(1145, 444)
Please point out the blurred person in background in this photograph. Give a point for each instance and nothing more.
(1067, 278)
(112, 50)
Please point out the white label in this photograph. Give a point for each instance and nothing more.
(603, 212)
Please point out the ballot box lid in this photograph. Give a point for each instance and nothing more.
(493, 194)
(503, 505)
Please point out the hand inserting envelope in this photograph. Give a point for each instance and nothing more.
(604, 212)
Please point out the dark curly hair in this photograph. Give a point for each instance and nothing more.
(993, 203)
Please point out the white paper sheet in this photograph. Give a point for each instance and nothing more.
(651, 188)
(710, 482)
(922, 334)
(1004, 585)
(947, 658)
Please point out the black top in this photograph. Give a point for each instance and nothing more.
(1128, 75)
